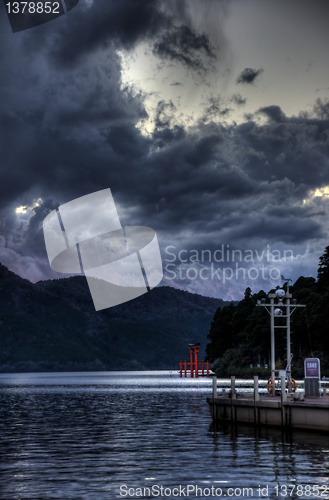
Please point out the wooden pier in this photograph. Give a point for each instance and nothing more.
(287, 411)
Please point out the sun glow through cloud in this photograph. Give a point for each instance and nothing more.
(21, 210)
(24, 209)
(322, 192)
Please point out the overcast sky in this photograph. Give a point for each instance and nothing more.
(209, 121)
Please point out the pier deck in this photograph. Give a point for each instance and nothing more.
(311, 413)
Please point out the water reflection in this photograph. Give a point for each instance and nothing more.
(67, 436)
(291, 456)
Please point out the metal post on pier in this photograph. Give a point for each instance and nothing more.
(288, 340)
(233, 393)
(282, 309)
(256, 393)
(214, 387)
(283, 389)
(272, 340)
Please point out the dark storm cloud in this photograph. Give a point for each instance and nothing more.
(60, 117)
(166, 129)
(34, 238)
(248, 75)
(273, 113)
(260, 228)
(216, 109)
(164, 114)
(321, 108)
(99, 25)
(296, 148)
(182, 45)
(219, 184)
(215, 176)
(68, 128)
(238, 99)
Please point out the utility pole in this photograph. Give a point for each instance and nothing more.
(279, 306)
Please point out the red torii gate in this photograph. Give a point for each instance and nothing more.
(194, 363)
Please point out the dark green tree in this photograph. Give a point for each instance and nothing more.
(240, 334)
(323, 271)
(221, 333)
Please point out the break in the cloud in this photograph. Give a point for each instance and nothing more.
(68, 127)
(249, 75)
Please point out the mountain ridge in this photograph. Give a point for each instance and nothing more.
(52, 326)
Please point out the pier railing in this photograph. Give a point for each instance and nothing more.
(286, 409)
(235, 387)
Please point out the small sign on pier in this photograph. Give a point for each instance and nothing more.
(312, 377)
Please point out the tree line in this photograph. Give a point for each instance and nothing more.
(239, 337)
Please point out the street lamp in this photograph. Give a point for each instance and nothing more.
(279, 300)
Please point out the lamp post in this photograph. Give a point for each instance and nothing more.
(271, 297)
(274, 308)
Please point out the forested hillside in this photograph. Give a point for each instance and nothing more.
(240, 334)
(53, 326)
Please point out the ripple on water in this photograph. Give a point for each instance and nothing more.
(81, 436)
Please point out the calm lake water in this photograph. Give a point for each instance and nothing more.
(113, 435)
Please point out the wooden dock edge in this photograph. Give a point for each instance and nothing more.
(287, 415)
